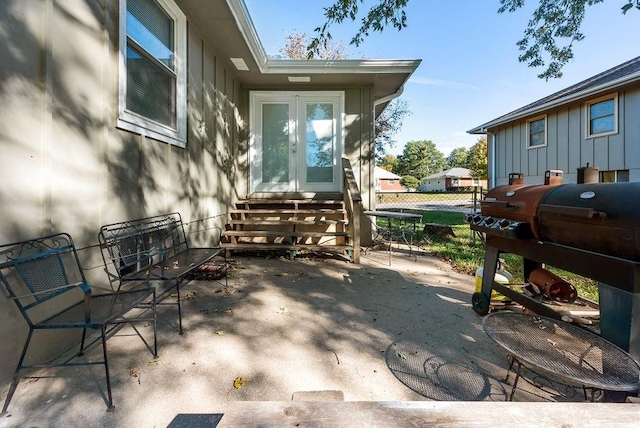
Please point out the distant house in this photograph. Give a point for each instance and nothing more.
(386, 181)
(450, 180)
(596, 121)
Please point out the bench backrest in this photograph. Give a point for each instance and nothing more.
(37, 270)
(133, 246)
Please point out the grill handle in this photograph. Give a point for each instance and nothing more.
(497, 204)
(571, 211)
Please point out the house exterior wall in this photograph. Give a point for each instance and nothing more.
(567, 146)
(433, 185)
(391, 185)
(65, 167)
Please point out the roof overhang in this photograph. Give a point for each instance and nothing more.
(538, 108)
(226, 25)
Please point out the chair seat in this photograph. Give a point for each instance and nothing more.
(105, 308)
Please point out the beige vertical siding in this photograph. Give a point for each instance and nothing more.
(65, 167)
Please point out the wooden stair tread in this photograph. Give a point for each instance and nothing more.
(286, 222)
(298, 247)
(275, 234)
(289, 211)
(290, 201)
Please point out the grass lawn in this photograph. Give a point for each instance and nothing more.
(466, 256)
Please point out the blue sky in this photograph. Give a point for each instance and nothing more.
(470, 72)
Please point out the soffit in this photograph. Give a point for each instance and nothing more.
(226, 26)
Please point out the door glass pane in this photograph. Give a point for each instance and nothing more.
(319, 144)
(275, 143)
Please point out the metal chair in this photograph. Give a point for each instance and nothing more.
(44, 278)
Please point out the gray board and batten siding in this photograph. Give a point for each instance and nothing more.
(568, 146)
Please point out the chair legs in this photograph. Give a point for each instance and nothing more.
(16, 374)
(103, 334)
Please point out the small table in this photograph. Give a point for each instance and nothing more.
(390, 215)
(561, 350)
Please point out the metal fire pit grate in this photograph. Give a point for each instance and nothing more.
(565, 351)
(439, 377)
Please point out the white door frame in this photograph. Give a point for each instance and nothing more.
(297, 140)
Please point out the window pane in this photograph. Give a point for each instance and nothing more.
(152, 29)
(536, 126)
(603, 124)
(150, 90)
(607, 176)
(275, 143)
(536, 139)
(604, 108)
(320, 134)
(622, 176)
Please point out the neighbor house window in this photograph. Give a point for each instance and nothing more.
(392, 182)
(615, 176)
(152, 78)
(537, 132)
(602, 116)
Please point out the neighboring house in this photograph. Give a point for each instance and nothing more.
(451, 180)
(386, 181)
(596, 121)
(114, 110)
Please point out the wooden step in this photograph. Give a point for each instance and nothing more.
(322, 222)
(289, 211)
(258, 246)
(289, 201)
(281, 233)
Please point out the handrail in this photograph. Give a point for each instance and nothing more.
(353, 204)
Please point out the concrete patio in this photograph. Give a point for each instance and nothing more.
(305, 329)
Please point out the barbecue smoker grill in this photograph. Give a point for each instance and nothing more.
(591, 229)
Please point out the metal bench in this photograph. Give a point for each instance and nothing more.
(44, 278)
(153, 249)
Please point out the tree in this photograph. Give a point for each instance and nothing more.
(295, 47)
(410, 182)
(390, 120)
(388, 162)
(477, 159)
(387, 126)
(458, 158)
(552, 20)
(419, 159)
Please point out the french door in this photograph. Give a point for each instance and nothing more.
(296, 141)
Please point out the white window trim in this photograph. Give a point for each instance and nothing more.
(587, 122)
(133, 122)
(533, 119)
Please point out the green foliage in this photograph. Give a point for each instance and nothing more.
(547, 42)
(552, 30)
(420, 158)
(477, 159)
(389, 162)
(458, 158)
(410, 182)
(381, 15)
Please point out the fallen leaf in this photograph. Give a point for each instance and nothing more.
(239, 382)
(135, 373)
(154, 362)
(401, 355)
(220, 332)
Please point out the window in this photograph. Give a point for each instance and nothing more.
(152, 95)
(392, 182)
(615, 176)
(602, 116)
(537, 132)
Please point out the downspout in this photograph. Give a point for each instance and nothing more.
(492, 165)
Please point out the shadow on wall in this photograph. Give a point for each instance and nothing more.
(64, 165)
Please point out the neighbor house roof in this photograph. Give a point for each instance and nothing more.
(451, 173)
(227, 25)
(616, 77)
(381, 173)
